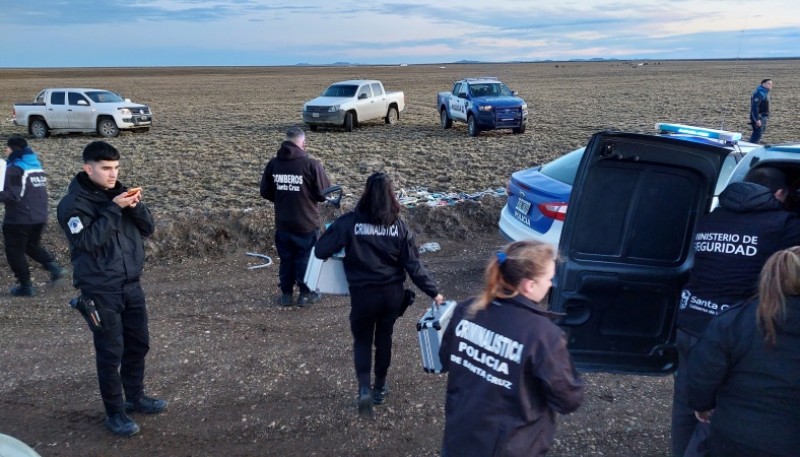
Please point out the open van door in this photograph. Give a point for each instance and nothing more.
(626, 248)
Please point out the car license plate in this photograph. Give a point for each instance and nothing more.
(314, 114)
(523, 206)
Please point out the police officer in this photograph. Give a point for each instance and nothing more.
(294, 182)
(759, 109)
(509, 369)
(732, 243)
(104, 225)
(25, 197)
(379, 251)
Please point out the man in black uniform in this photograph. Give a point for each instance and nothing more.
(294, 182)
(104, 224)
(25, 197)
(732, 243)
(759, 109)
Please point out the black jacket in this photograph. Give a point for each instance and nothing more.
(732, 243)
(510, 372)
(754, 390)
(294, 182)
(25, 191)
(107, 250)
(373, 254)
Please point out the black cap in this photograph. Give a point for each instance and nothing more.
(17, 142)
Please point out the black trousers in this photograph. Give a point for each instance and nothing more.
(293, 250)
(758, 131)
(689, 436)
(121, 345)
(23, 240)
(373, 312)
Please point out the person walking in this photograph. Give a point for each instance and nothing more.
(759, 109)
(295, 182)
(732, 243)
(509, 368)
(379, 251)
(743, 373)
(105, 224)
(24, 195)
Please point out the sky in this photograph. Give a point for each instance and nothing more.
(126, 33)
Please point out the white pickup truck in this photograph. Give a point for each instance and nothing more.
(346, 103)
(81, 110)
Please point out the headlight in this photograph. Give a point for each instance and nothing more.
(125, 111)
(305, 107)
(524, 107)
(485, 108)
(333, 109)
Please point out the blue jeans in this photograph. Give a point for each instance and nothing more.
(758, 131)
(293, 250)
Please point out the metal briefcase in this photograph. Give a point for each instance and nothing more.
(326, 276)
(430, 328)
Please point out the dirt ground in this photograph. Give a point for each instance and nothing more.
(246, 377)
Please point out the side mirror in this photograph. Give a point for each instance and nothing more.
(83, 102)
(362, 96)
(514, 93)
(333, 195)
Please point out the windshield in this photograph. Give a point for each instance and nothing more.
(342, 90)
(489, 90)
(104, 97)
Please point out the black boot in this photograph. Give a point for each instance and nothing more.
(56, 272)
(23, 290)
(365, 402)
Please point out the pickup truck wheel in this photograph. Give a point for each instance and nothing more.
(107, 128)
(472, 126)
(349, 122)
(520, 129)
(392, 116)
(39, 128)
(312, 127)
(446, 121)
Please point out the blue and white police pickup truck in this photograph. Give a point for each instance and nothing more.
(484, 104)
(63, 110)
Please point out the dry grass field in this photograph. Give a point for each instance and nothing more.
(246, 377)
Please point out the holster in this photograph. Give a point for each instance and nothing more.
(408, 299)
(87, 307)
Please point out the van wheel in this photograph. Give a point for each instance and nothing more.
(107, 127)
(446, 121)
(472, 126)
(520, 129)
(349, 121)
(39, 128)
(392, 116)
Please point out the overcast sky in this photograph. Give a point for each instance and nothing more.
(69, 33)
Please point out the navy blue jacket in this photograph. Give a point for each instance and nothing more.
(374, 254)
(25, 191)
(509, 373)
(106, 245)
(759, 103)
(754, 390)
(732, 243)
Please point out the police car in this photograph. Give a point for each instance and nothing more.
(626, 241)
(538, 197)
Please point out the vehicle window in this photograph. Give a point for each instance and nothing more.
(456, 88)
(365, 90)
(377, 89)
(73, 97)
(57, 98)
(104, 96)
(340, 90)
(489, 90)
(563, 168)
(725, 173)
(40, 97)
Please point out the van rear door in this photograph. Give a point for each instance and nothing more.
(626, 248)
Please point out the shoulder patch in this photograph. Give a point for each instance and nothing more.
(75, 225)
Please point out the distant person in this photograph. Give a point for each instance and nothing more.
(744, 373)
(105, 226)
(294, 182)
(759, 109)
(379, 251)
(731, 245)
(24, 195)
(509, 368)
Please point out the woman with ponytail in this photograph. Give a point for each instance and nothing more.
(744, 373)
(509, 369)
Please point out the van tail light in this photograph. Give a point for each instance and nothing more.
(554, 210)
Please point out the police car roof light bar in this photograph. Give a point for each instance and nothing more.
(722, 135)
